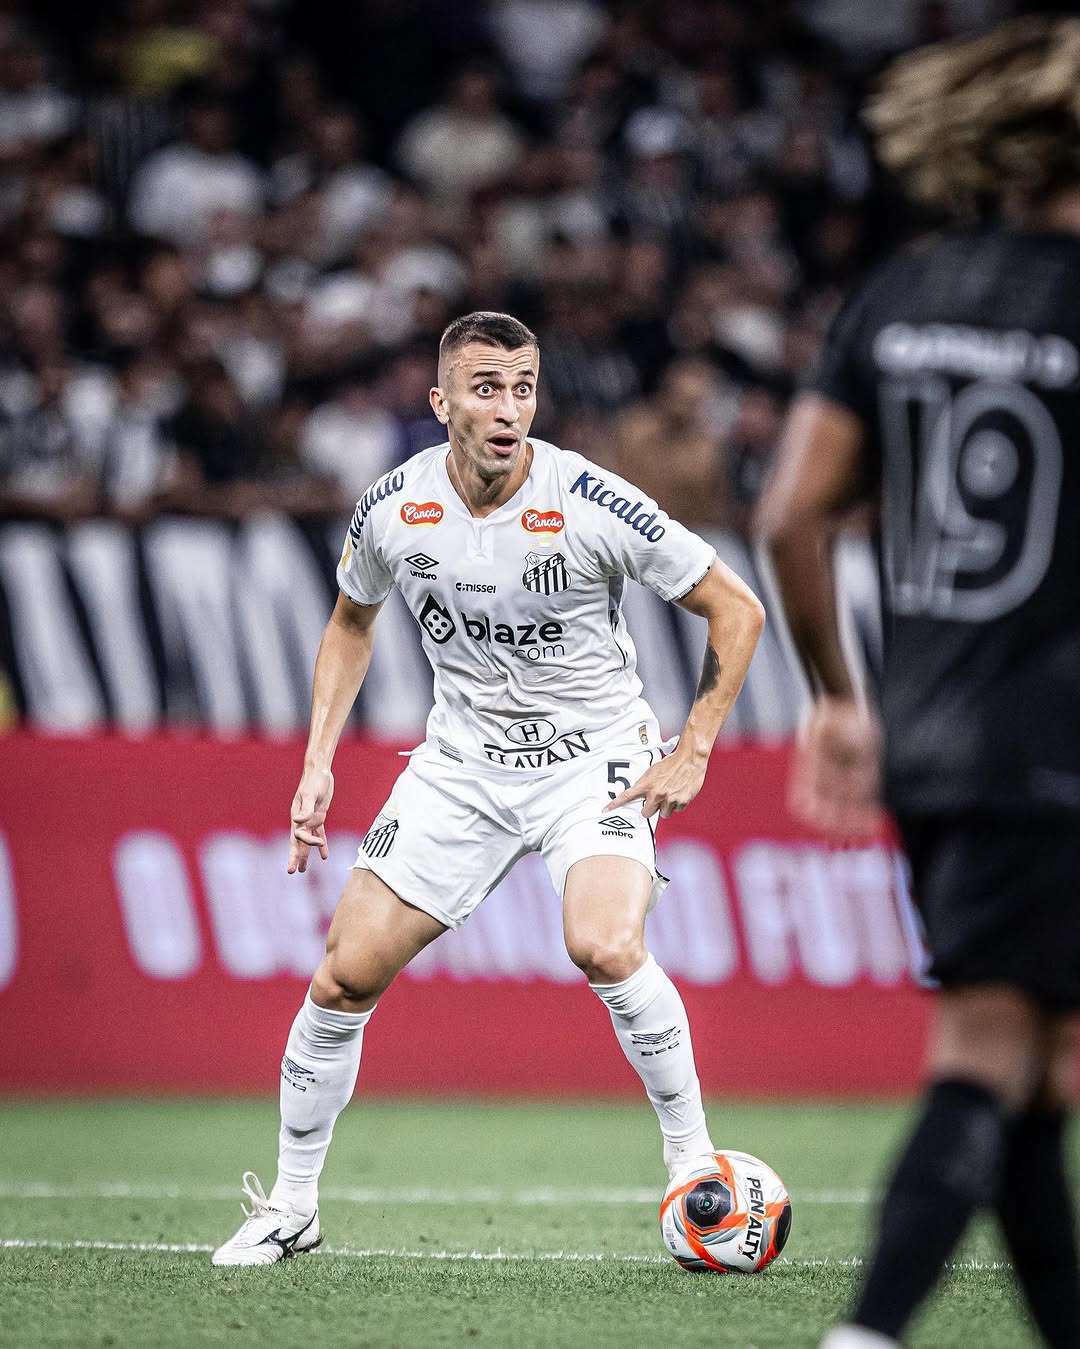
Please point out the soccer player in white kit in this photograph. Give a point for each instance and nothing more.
(512, 557)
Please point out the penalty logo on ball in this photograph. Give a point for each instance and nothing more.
(727, 1213)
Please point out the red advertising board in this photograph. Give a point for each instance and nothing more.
(151, 940)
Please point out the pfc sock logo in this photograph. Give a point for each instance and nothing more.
(295, 1075)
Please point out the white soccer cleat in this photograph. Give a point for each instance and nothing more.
(679, 1156)
(856, 1337)
(267, 1235)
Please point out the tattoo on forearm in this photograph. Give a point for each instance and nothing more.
(710, 674)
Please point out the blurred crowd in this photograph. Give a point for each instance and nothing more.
(231, 232)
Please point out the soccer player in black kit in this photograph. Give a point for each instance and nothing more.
(949, 391)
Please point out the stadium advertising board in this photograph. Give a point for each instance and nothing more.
(150, 938)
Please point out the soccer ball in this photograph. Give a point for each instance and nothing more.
(725, 1213)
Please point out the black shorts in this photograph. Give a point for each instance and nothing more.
(1000, 898)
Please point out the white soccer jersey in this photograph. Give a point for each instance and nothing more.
(521, 612)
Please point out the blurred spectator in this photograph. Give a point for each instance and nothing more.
(730, 145)
(254, 353)
(164, 51)
(543, 41)
(404, 390)
(589, 433)
(286, 482)
(37, 317)
(63, 194)
(178, 188)
(352, 439)
(583, 365)
(519, 217)
(453, 148)
(754, 437)
(672, 445)
(43, 471)
(167, 284)
(239, 72)
(352, 194)
(138, 459)
(34, 111)
(644, 290)
(656, 195)
(121, 124)
(221, 449)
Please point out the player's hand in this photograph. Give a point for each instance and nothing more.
(668, 786)
(309, 807)
(836, 778)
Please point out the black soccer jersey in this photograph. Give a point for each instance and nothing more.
(963, 363)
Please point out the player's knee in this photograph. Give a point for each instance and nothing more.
(606, 958)
(346, 981)
(992, 1035)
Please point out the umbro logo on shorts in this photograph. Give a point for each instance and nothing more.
(617, 825)
(379, 839)
(545, 575)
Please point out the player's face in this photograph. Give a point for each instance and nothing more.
(487, 401)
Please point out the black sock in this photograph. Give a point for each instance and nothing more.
(949, 1168)
(1035, 1208)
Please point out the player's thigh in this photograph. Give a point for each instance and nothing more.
(603, 866)
(439, 843)
(990, 1033)
(1058, 1086)
(373, 936)
(605, 902)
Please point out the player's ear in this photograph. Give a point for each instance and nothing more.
(438, 405)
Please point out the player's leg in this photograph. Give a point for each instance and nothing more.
(434, 852)
(372, 937)
(984, 1063)
(1035, 1200)
(605, 901)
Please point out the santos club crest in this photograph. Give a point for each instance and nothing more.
(545, 575)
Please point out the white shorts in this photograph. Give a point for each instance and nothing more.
(447, 837)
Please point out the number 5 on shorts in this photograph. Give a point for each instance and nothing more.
(615, 779)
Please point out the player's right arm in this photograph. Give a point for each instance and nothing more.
(342, 663)
(834, 784)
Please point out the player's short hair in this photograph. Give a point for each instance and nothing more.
(493, 329)
(980, 119)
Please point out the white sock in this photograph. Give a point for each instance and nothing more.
(318, 1074)
(650, 1021)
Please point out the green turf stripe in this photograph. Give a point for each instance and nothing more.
(375, 1253)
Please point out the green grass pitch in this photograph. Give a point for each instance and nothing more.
(446, 1223)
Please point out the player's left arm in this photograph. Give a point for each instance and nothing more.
(735, 618)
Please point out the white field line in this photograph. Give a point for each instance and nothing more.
(529, 1198)
(497, 1256)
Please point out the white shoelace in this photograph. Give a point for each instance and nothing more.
(260, 1205)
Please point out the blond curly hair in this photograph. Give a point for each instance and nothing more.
(993, 117)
